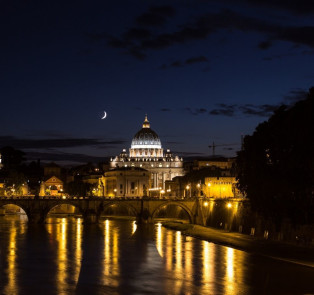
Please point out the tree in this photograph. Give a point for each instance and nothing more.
(78, 188)
(275, 168)
(11, 158)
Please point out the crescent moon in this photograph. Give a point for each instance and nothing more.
(105, 115)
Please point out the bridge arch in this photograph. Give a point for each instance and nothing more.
(176, 204)
(11, 202)
(124, 205)
(57, 203)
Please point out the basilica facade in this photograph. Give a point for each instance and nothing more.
(146, 152)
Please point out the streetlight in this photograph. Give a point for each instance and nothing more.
(208, 185)
(162, 192)
(198, 189)
(188, 188)
(115, 192)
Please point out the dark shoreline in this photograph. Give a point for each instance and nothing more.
(278, 250)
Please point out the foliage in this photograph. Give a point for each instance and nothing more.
(78, 188)
(275, 169)
(11, 158)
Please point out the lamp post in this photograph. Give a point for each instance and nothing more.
(229, 206)
(188, 188)
(208, 185)
(198, 189)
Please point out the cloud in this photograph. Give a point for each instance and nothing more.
(295, 7)
(137, 34)
(295, 95)
(188, 154)
(227, 19)
(197, 59)
(118, 43)
(156, 16)
(138, 40)
(278, 56)
(230, 110)
(20, 143)
(297, 35)
(264, 110)
(69, 158)
(228, 148)
(136, 53)
(195, 111)
(96, 37)
(308, 52)
(264, 45)
(233, 110)
(224, 109)
(188, 61)
(173, 143)
(176, 64)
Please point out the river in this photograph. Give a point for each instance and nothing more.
(65, 256)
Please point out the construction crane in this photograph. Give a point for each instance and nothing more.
(213, 146)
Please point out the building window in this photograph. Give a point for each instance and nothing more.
(132, 186)
(121, 186)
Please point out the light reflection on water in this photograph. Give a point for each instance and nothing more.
(64, 256)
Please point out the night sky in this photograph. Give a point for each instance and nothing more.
(203, 72)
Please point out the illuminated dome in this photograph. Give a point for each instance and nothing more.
(146, 138)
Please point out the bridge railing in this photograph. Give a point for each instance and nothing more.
(33, 197)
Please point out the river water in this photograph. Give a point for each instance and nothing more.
(64, 256)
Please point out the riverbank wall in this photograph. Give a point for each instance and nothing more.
(235, 215)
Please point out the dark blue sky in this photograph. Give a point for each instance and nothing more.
(203, 71)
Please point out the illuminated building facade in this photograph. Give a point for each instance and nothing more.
(221, 187)
(53, 186)
(125, 182)
(146, 152)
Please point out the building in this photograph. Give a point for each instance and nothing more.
(146, 152)
(225, 165)
(52, 186)
(221, 187)
(218, 187)
(125, 182)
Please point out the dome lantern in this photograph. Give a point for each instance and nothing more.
(146, 122)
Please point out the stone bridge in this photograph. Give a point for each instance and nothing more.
(144, 209)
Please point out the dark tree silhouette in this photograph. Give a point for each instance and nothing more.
(275, 168)
(12, 159)
(78, 188)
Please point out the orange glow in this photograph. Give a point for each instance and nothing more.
(11, 287)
